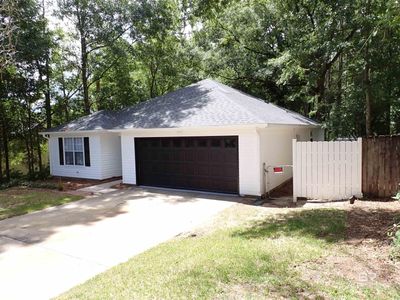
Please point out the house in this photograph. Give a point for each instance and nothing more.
(206, 136)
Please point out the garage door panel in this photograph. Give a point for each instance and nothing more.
(200, 163)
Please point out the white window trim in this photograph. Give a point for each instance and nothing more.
(73, 152)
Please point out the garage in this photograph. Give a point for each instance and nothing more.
(195, 163)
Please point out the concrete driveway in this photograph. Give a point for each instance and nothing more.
(45, 253)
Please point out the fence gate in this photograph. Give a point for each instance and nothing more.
(381, 166)
(327, 170)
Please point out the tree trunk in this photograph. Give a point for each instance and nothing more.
(1, 163)
(47, 94)
(340, 82)
(368, 99)
(84, 66)
(4, 138)
(47, 100)
(39, 151)
(98, 96)
(153, 79)
(29, 143)
(367, 79)
(5, 147)
(320, 97)
(65, 98)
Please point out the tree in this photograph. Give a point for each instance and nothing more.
(20, 88)
(98, 25)
(325, 59)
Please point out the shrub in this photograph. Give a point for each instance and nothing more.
(397, 196)
(41, 175)
(394, 235)
(13, 182)
(28, 183)
(16, 174)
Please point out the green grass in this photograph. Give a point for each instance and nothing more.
(255, 259)
(19, 201)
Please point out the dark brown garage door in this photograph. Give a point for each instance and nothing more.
(197, 163)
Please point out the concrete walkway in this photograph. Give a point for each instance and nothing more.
(45, 253)
(102, 188)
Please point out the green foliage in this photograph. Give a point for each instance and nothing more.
(394, 235)
(310, 56)
(16, 182)
(397, 196)
(330, 60)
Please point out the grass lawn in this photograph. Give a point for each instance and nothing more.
(20, 201)
(246, 254)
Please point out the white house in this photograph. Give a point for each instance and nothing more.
(206, 136)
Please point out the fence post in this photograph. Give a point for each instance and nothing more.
(294, 169)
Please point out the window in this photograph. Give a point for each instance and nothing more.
(215, 143)
(177, 142)
(230, 143)
(202, 143)
(165, 143)
(189, 143)
(73, 151)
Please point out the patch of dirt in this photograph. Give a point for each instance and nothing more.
(72, 184)
(365, 225)
(362, 266)
(122, 186)
(363, 257)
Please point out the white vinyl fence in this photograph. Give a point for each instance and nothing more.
(327, 170)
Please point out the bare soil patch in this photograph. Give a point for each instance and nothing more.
(363, 257)
(72, 184)
(122, 186)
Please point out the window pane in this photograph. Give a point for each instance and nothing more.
(189, 143)
(165, 143)
(230, 143)
(69, 158)
(202, 143)
(78, 144)
(215, 143)
(176, 142)
(69, 144)
(79, 158)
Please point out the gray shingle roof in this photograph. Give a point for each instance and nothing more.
(205, 103)
(101, 120)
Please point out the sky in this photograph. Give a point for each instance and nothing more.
(55, 22)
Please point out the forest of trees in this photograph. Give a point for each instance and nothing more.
(336, 61)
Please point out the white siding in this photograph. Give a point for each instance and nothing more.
(249, 157)
(111, 161)
(105, 157)
(276, 150)
(128, 159)
(249, 164)
(327, 170)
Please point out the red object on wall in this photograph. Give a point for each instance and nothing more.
(278, 169)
